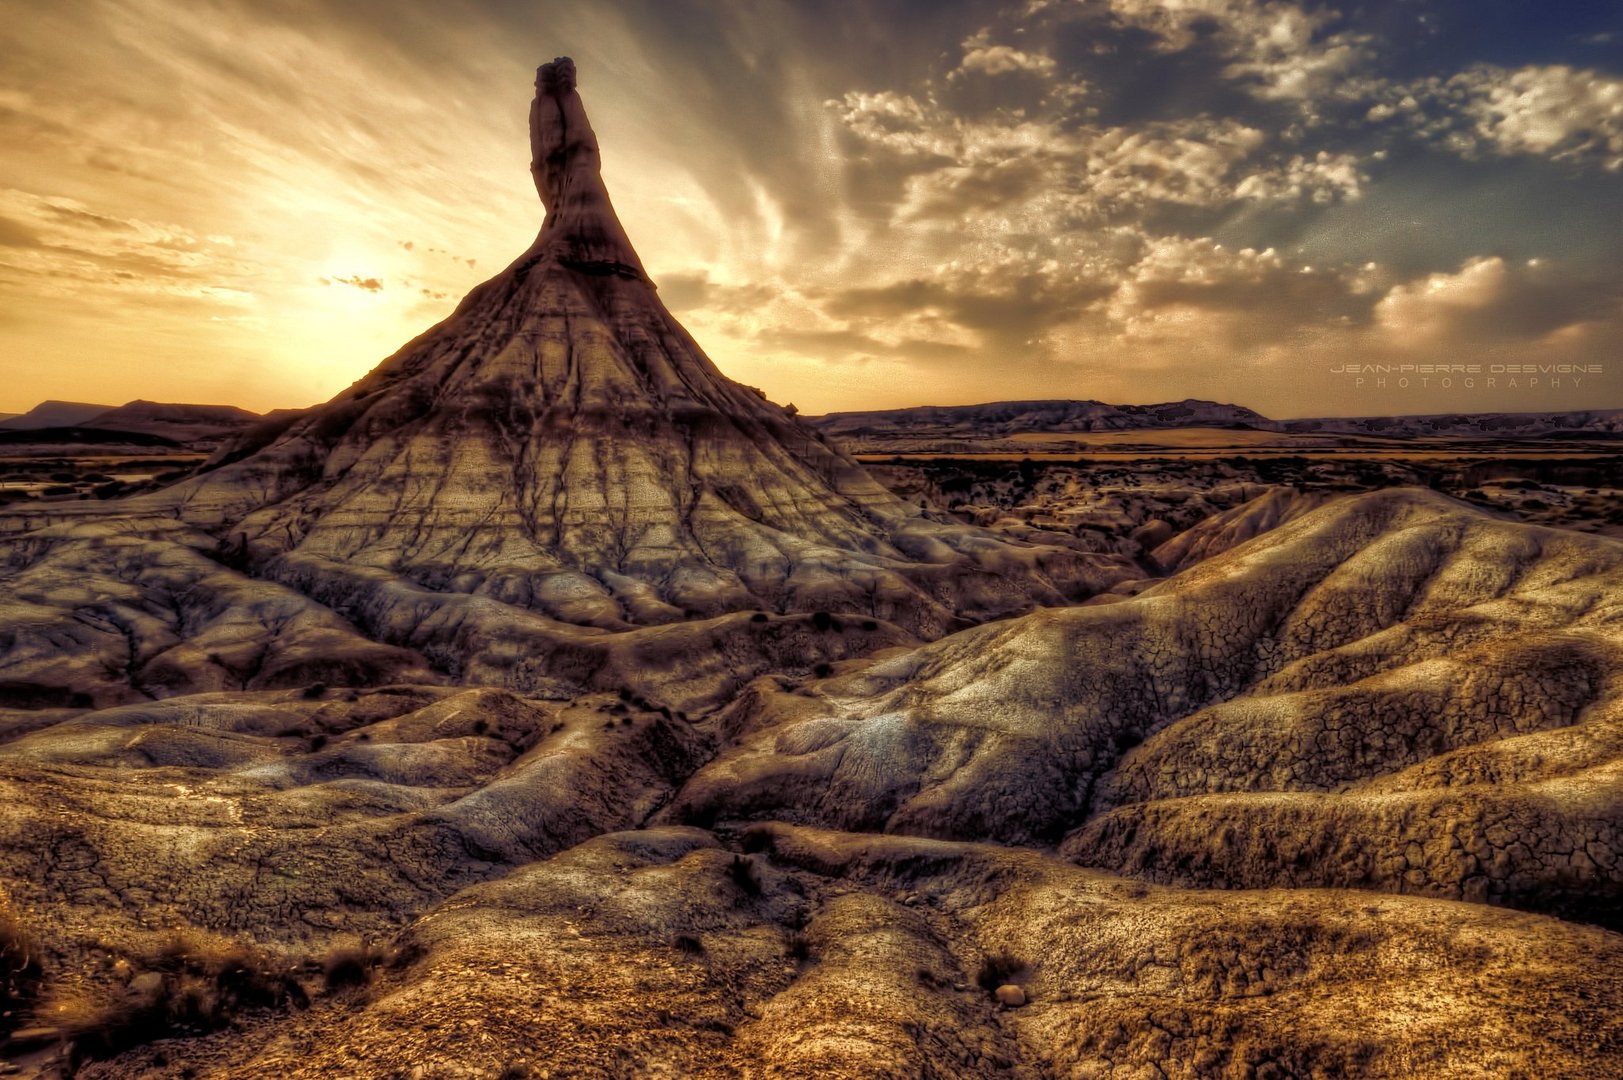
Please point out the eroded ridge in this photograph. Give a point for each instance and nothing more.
(1394, 692)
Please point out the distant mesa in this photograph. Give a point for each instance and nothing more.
(1015, 417)
(49, 414)
(69, 440)
(138, 423)
(1003, 418)
(193, 425)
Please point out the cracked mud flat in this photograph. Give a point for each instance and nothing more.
(637, 731)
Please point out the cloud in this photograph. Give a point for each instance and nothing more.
(16, 234)
(1009, 303)
(64, 247)
(682, 291)
(690, 289)
(1490, 300)
(1042, 172)
(1277, 51)
(1557, 112)
(981, 56)
(848, 345)
(1188, 162)
(368, 284)
(1185, 290)
(1323, 178)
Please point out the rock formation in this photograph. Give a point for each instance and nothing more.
(524, 492)
(561, 445)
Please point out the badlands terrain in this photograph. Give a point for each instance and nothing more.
(548, 704)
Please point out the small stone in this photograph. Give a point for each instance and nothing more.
(1010, 995)
(147, 983)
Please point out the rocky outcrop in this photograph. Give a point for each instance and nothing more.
(1390, 693)
(288, 815)
(581, 231)
(101, 614)
(555, 468)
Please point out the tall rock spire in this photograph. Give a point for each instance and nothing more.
(581, 229)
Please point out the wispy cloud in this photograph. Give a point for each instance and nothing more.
(369, 284)
(983, 57)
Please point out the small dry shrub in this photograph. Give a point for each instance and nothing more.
(757, 839)
(354, 964)
(192, 984)
(20, 974)
(742, 872)
(349, 967)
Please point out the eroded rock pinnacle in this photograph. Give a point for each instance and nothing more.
(581, 229)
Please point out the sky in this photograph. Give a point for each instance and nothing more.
(1310, 209)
